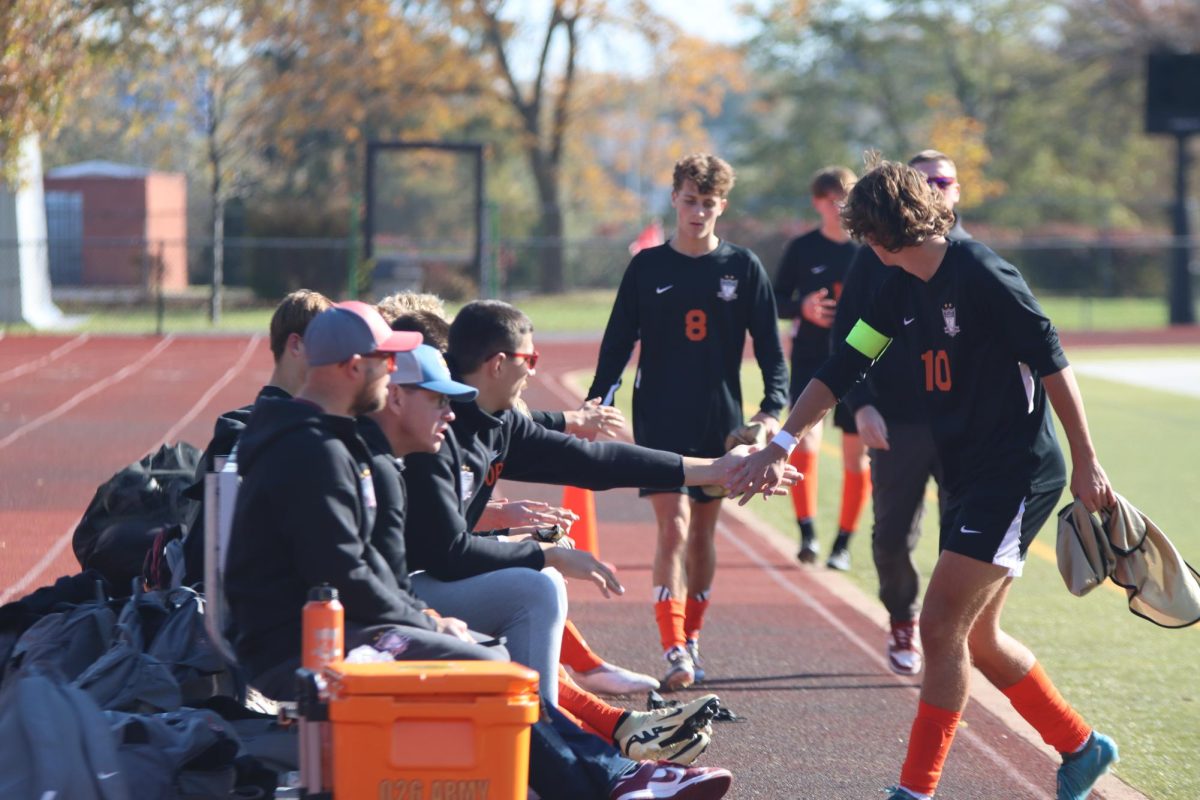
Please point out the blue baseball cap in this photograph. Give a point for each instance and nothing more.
(350, 329)
(424, 366)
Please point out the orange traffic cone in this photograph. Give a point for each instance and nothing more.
(583, 503)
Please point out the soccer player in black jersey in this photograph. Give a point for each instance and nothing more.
(808, 285)
(691, 302)
(892, 421)
(990, 366)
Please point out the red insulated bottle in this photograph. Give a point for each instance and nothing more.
(324, 622)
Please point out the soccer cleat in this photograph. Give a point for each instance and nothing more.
(903, 651)
(681, 673)
(651, 781)
(677, 733)
(693, 650)
(1080, 771)
(898, 793)
(808, 550)
(839, 560)
(611, 679)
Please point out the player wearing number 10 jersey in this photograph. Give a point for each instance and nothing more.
(989, 366)
(691, 302)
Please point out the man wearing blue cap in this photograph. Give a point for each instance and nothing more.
(308, 506)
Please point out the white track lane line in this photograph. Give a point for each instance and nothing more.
(872, 652)
(62, 541)
(207, 397)
(90, 391)
(569, 397)
(38, 363)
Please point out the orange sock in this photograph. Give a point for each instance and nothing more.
(670, 613)
(1035, 698)
(804, 493)
(580, 723)
(597, 715)
(932, 732)
(856, 486)
(575, 652)
(693, 617)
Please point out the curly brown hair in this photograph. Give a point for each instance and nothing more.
(893, 207)
(712, 175)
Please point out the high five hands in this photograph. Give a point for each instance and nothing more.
(749, 471)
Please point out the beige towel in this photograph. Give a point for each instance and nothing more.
(1126, 546)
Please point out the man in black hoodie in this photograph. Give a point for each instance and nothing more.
(307, 508)
(288, 325)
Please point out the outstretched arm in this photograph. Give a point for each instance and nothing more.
(762, 472)
(1088, 481)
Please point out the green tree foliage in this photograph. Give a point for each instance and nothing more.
(47, 48)
(1040, 103)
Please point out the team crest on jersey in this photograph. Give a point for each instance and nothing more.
(728, 288)
(951, 318)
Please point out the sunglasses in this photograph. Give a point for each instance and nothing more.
(388, 358)
(531, 359)
(941, 183)
(440, 401)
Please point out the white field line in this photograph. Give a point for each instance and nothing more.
(38, 363)
(90, 391)
(62, 541)
(872, 652)
(205, 398)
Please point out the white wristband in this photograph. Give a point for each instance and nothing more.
(785, 440)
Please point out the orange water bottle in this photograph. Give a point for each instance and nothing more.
(324, 623)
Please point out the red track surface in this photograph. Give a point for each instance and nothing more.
(798, 652)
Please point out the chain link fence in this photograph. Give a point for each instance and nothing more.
(130, 285)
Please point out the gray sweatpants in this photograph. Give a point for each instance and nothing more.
(899, 476)
(527, 606)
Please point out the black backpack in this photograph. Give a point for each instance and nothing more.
(131, 509)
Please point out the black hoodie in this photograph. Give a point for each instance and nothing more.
(449, 490)
(304, 516)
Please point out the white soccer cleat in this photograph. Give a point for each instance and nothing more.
(613, 680)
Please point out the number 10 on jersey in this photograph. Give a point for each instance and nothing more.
(937, 370)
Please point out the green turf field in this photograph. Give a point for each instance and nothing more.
(1127, 676)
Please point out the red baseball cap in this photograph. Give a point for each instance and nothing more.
(349, 329)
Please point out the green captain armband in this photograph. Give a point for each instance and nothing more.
(867, 340)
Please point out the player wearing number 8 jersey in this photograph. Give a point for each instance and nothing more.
(988, 361)
(691, 302)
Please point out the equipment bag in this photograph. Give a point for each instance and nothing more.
(130, 509)
(57, 742)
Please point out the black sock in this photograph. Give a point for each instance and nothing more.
(807, 531)
(842, 541)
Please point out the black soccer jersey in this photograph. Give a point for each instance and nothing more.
(810, 263)
(978, 343)
(691, 315)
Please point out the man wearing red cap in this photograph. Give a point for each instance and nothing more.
(307, 507)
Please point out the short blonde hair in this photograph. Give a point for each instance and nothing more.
(292, 315)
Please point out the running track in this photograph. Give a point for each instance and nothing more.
(798, 650)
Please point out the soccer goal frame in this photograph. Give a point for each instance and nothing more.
(476, 149)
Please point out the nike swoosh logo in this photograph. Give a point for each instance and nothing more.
(662, 289)
(818, 270)
(105, 775)
(965, 529)
(909, 321)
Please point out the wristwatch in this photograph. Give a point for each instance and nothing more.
(549, 534)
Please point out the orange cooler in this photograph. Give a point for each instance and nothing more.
(431, 730)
